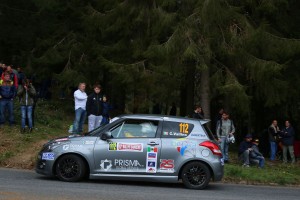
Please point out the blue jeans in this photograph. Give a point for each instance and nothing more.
(9, 104)
(26, 111)
(80, 115)
(273, 147)
(224, 148)
(261, 161)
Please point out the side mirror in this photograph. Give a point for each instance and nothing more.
(105, 136)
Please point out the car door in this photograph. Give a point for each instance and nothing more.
(176, 147)
(133, 148)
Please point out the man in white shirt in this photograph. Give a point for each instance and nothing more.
(80, 98)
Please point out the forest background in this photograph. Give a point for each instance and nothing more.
(242, 55)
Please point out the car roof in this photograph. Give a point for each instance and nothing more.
(161, 117)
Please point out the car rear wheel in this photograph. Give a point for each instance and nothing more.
(70, 168)
(195, 175)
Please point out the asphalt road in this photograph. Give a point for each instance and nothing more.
(26, 184)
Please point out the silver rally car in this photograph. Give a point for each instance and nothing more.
(137, 147)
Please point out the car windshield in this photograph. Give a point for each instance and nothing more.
(96, 131)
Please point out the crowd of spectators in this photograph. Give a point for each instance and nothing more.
(14, 84)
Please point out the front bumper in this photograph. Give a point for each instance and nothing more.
(44, 167)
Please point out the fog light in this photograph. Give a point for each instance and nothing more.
(42, 165)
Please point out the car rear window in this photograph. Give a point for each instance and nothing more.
(176, 129)
(208, 132)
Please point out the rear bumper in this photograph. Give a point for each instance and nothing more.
(218, 170)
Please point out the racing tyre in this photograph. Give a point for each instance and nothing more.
(70, 168)
(195, 175)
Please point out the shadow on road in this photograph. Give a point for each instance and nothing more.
(179, 185)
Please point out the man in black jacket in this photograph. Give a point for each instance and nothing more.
(287, 135)
(244, 150)
(94, 108)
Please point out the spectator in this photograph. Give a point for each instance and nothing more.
(7, 94)
(94, 108)
(273, 132)
(13, 76)
(173, 110)
(244, 150)
(80, 108)
(256, 155)
(106, 108)
(198, 113)
(225, 129)
(26, 93)
(288, 135)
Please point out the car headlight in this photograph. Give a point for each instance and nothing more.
(51, 146)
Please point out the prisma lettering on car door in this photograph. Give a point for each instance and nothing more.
(127, 150)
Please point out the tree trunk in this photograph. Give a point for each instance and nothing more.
(205, 93)
(187, 90)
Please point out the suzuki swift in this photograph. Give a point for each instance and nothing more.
(137, 147)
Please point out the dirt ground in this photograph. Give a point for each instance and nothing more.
(22, 160)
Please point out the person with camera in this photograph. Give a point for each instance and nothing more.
(225, 133)
(273, 132)
(26, 93)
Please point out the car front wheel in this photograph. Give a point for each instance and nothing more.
(195, 175)
(70, 168)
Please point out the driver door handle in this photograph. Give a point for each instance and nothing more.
(153, 143)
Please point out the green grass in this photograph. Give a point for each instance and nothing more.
(51, 120)
(275, 174)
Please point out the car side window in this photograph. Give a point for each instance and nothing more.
(132, 128)
(176, 129)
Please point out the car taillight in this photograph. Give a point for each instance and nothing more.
(212, 146)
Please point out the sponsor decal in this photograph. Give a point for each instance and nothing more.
(137, 147)
(167, 165)
(131, 147)
(152, 149)
(106, 165)
(184, 146)
(151, 164)
(127, 164)
(112, 146)
(61, 139)
(151, 159)
(71, 147)
(165, 133)
(198, 135)
(151, 155)
(89, 142)
(48, 156)
(151, 170)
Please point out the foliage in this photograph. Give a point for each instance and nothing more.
(150, 51)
